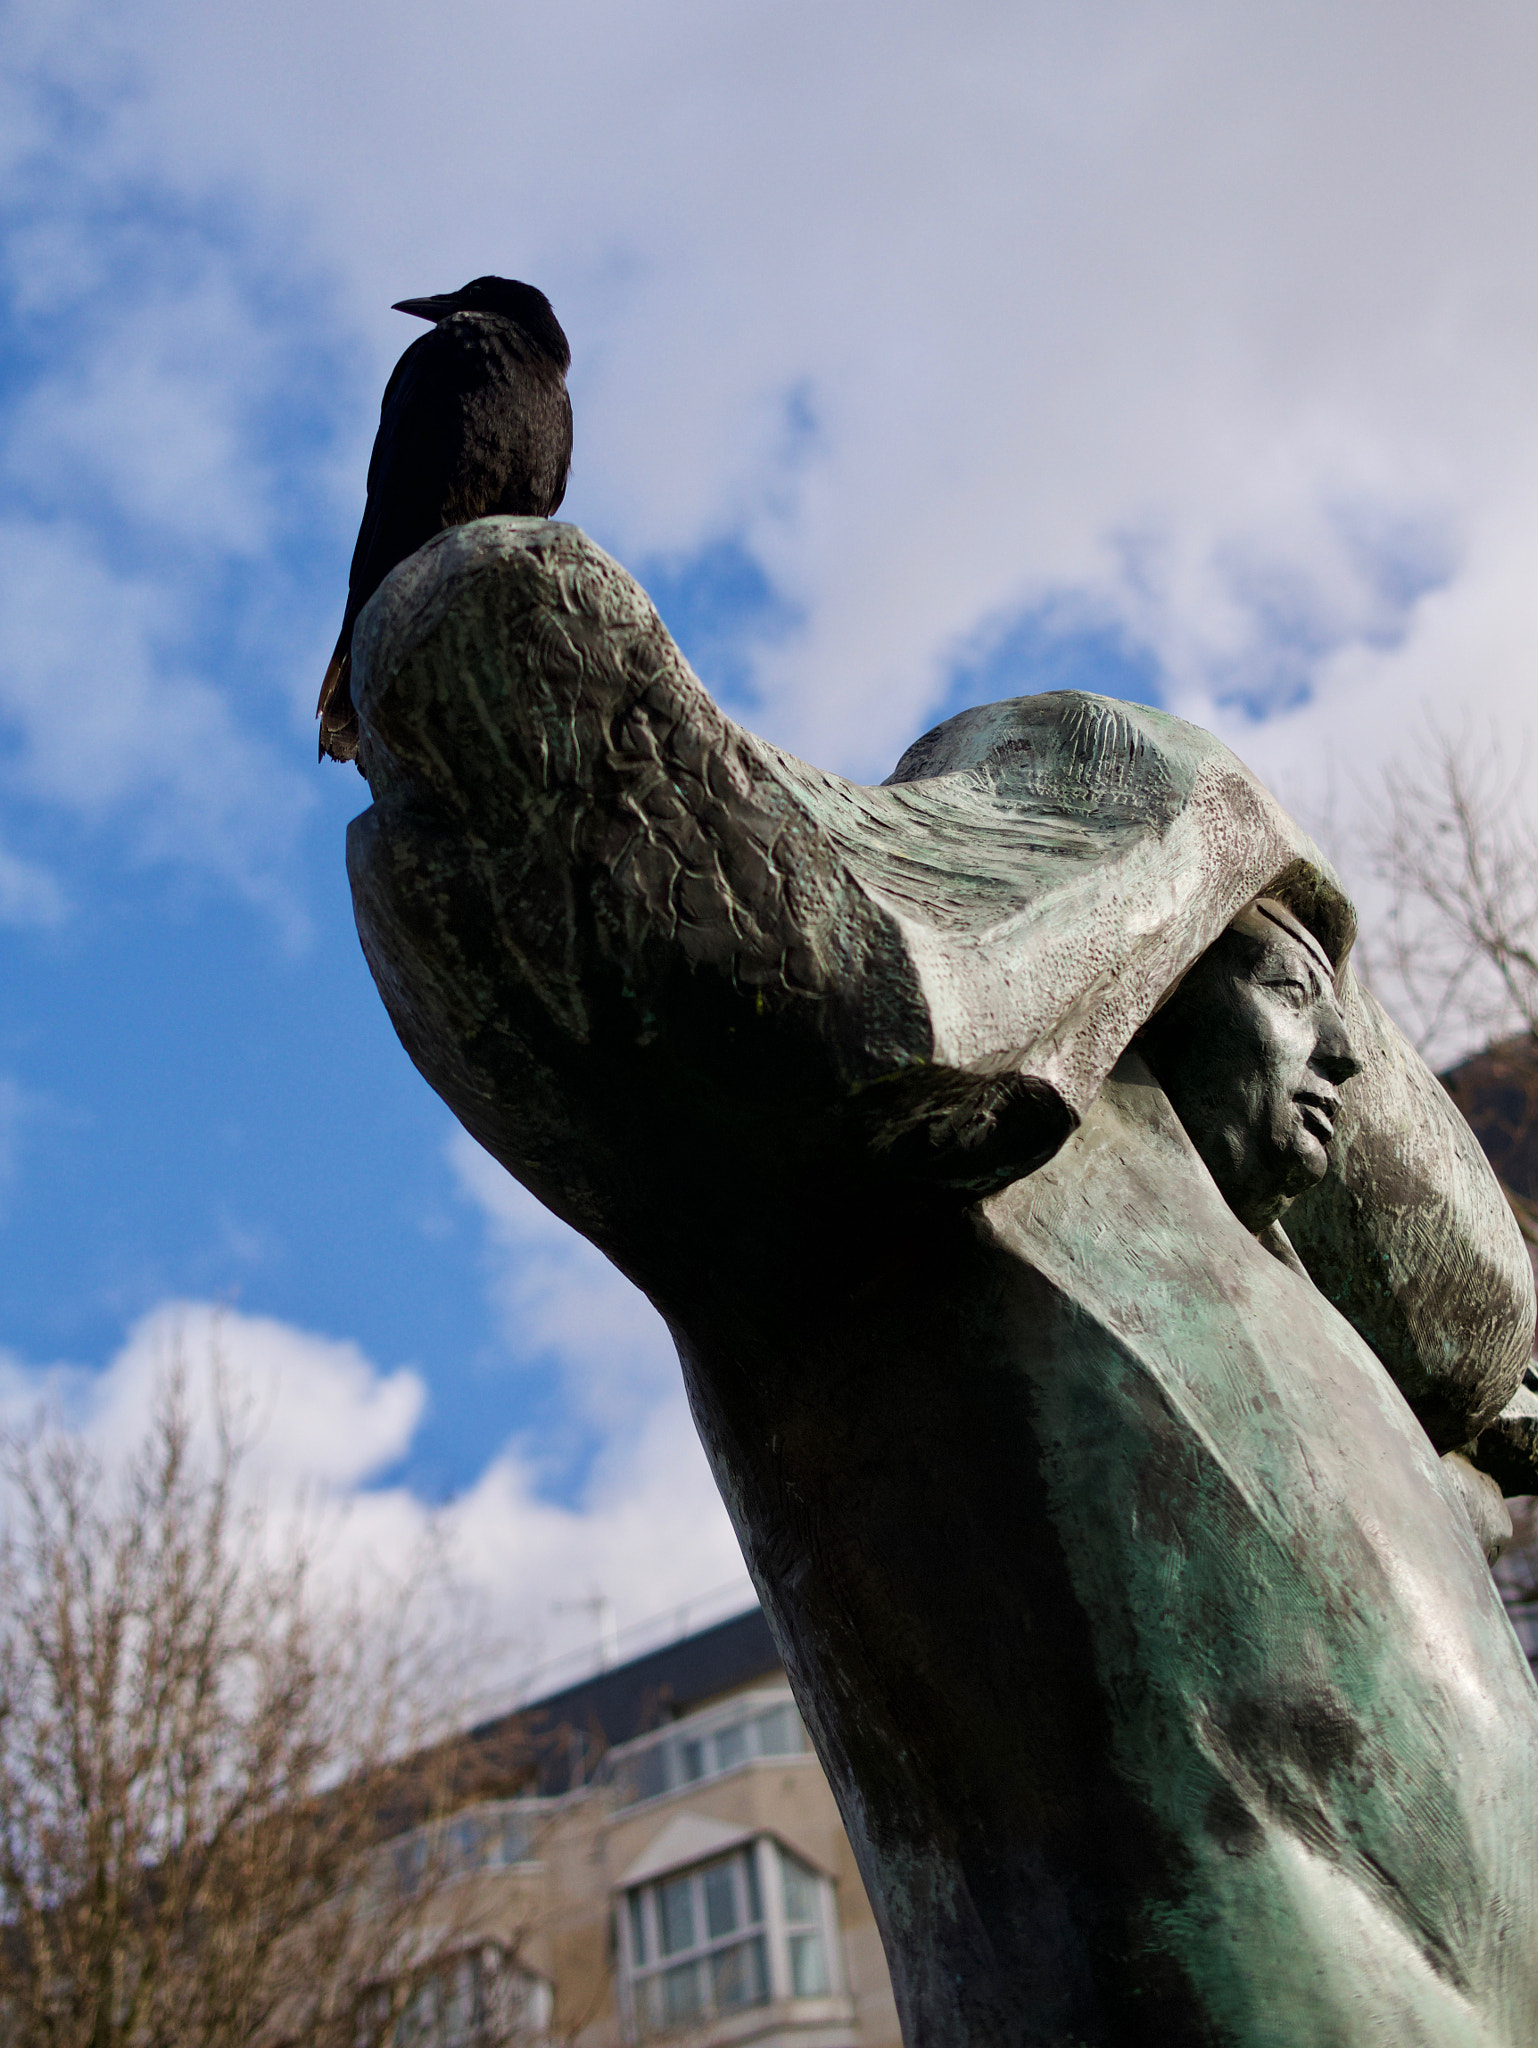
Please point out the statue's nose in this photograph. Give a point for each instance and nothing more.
(1333, 1056)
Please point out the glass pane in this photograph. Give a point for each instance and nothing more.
(691, 1761)
(808, 1967)
(648, 2005)
(458, 2001)
(513, 1845)
(779, 1732)
(681, 1994)
(720, 1900)
(419, 2022)
(643, 1776)
(410, 1862)
(750, 1874)
(675, 1910)
(731, 1747)
(535, 2007)
(739, 1975)
(637, 1930)
(800, 1890)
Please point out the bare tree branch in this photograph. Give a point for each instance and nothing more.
(1459, 855)
(202, 1764)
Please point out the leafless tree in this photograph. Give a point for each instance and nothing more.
(1459, 960)
(208, 1770)
(1458, 953)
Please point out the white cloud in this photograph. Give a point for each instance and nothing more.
(1222, 318)
(322, 1423)
(558, 1297)
(314, 1410)
(1179, 304)
(108, 719)
(145, 425)
(156, 382)
(648, 1529)
(649, 1533)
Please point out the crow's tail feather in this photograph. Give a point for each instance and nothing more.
(338, 719)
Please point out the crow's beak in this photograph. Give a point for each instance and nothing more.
(438, 308)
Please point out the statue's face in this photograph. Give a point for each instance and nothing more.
(1252, 1051)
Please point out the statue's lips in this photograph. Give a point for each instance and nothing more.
(1318, 1114)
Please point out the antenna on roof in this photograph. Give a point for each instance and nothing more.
(601, 1607)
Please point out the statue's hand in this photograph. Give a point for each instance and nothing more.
(1507, 1450)
(1481, 1499)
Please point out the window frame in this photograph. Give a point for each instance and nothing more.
(823, 1922)
(773, 1929)
(687, 1753)
(643, 1904)
(489, 1837)
(454, 2002)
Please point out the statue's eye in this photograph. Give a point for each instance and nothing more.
(1297, 992)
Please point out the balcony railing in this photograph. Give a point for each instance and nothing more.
(759, 1724)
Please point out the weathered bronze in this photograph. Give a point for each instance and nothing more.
(1125, 1541)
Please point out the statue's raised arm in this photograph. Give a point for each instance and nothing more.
(1076, 1280)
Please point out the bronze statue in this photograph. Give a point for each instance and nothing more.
(1108, 1339)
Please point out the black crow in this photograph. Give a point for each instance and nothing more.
(475, 419)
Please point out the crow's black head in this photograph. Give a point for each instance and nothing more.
(505, 295)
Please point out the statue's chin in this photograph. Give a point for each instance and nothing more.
(1263, 1199)
(1299, 1160)
(1311, 1162)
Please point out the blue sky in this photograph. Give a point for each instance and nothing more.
(919, 358)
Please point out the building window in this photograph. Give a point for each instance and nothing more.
(696, 1944)
(497, 1836)
(473, 1998)
(738, 1931)
(707, 1746)
(805, 1938)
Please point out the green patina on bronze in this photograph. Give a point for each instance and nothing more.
(1139, 1621)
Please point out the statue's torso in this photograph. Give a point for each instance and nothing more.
(1153, 1654)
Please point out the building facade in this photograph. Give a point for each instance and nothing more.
(677, 1871)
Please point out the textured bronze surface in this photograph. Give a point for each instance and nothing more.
(1142, 1629)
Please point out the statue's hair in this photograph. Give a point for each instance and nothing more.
(1258, 919)
(1261, 919)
